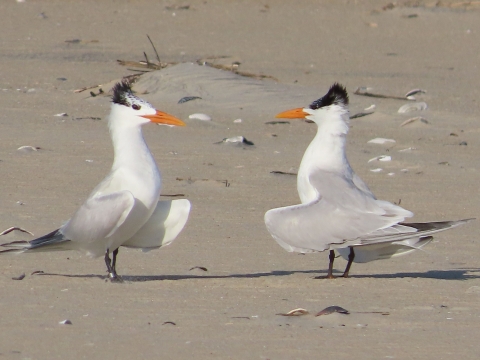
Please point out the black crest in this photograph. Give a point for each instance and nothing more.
(121, 92)
(336, 95)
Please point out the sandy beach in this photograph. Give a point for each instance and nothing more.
(421, 306)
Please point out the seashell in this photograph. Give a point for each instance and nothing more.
(236, 121)
(391, 174)
(188, 98)
(380, 141)
(377, 170)
(408, 121)
(28, 148)
(65, 322)
(200, 116)
(371, 107)
(414, 91)
(295, 312)
(409, 149)
(333, 309)
(61, 114)
(236, 140)
(419, 106)
(381, 158)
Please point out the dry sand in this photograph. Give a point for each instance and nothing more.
(165, 310)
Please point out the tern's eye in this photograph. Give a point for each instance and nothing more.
(136, 107)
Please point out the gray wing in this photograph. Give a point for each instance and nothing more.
(166, 222)
(340, 216)
(99, 217)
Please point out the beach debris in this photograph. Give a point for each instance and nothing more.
(203, 268)
(100, 92)
(236, 140)
(282, 172)
(61, 114)
(88, 118)
(371, 107)
(277, 122)
(169, 323)
(446, 163)
(21, 277)
(409, 95)
(89, 161)
(237, 121)
(65, 322)
(200, 116)
(463, 143)
(365, 91)
(38, 272)
(86, 88)
(381, 158)
(28, 148)
(391, 174)
(411, 120)
(409, 149)
(187, 99)
(295, 312)
(359, 115)
(333, 309)
(380, 141)
(418, 106)
(13, 228)
(20, 203)
(172, 195)
(377, 170)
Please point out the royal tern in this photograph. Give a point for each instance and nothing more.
(123, 210)
(338, 211)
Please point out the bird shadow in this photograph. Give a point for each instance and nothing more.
(452, 274)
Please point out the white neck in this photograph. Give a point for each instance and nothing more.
(325, 152)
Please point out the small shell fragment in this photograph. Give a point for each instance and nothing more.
(333, 309)
(414, 91)
(419, 106)
(377, 170)
(381, 158)
(380, 141)
(295, 312)
(13, 228)
(391, 174)
(188, 98)
(27, 148)
(236, 121)
(236, 140)
(65, 322)
(371, 107)
(409, 121)
(409, 149)
(199, 116)
(61, 114)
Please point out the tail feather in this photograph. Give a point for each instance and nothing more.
(51, 241)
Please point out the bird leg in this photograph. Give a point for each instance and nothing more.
(351, 256)
(331, 257)
(114, 260)
(112, 274)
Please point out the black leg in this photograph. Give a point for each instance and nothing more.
(114, 260)
(331, 257)
(112, 274)
(351, 256)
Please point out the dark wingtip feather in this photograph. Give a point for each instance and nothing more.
(120, 92)
(336, 95)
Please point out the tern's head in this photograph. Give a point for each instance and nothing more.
(334, 104)
(130, 109)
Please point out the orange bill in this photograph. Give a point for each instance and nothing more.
(163, 118)
(297, 113)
